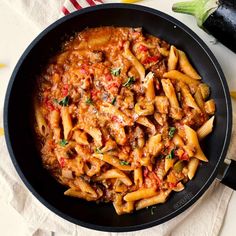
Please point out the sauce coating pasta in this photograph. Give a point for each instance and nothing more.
(119, 115)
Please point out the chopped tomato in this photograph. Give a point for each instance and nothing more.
(62, 162)
(151, 59)
(184, 157)
(112, 85)
(143, 48)
(115, 119)
(172, 185)
(84, 71)
(108, 77)
(94, 94)
(64, 90)
(49, 105)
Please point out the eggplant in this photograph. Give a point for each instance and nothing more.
(217, 17)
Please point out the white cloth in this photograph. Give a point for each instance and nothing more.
(205, 217)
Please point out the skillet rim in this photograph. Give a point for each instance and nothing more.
(221, 76)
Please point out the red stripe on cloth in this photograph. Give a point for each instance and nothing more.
(65, 11)
(91, 2)
(99, 1)
(76, 4)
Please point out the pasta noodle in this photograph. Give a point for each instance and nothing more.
(186, 67)
(173, 58)
(119, 116)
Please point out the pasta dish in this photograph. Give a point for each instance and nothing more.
(119, 117)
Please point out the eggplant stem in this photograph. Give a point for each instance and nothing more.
(201, 9)
(185, 7)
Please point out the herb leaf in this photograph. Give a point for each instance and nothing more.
(115, 71)
(55, 100)
(113, 101)
(124, 163)
(130, 81)
(98, 150)
(171, 155)
(172, 132)
(63, 142)
(64, 102)
(89, 101)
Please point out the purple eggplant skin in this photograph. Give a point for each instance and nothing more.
(222, 23)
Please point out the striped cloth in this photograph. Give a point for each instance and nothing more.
(73, 5)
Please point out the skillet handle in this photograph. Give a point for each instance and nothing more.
(229, 176)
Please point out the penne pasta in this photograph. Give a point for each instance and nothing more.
(80, 137)
(192, 140)
(178, 141)
(128, 55)
(169, 163)
(176, 75)
(113, 161)
(149, 86)
(54, 119)
(144, 108)
(95, 133)
(85, 187)
(162, 104)
(118, 132)
(206, 128)
(111, 174)
(159, 198)
(189, 100)
(205, 90)
(173, 58)
(57, 134)
(154, 145)
(170, 92)
(139, 194)
(122, 208)
(147, 123)
(79, 194)
(186, 67)
(138, 177)
(210, 107)
(199, 100)
(175, 110)
(192, 167)
(41, 123)
(66, 122)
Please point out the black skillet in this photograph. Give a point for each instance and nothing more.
(18, 113)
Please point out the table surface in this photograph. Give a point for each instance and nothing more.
(17, 32)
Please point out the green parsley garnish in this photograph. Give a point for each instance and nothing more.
(89, 101)
(124, 163)
(98, 150)
(171, 155)
(115, 72)
(113, 101)
(63, 142)
(64, 102)
(130, 81)
(172, 132)
(152, 210)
